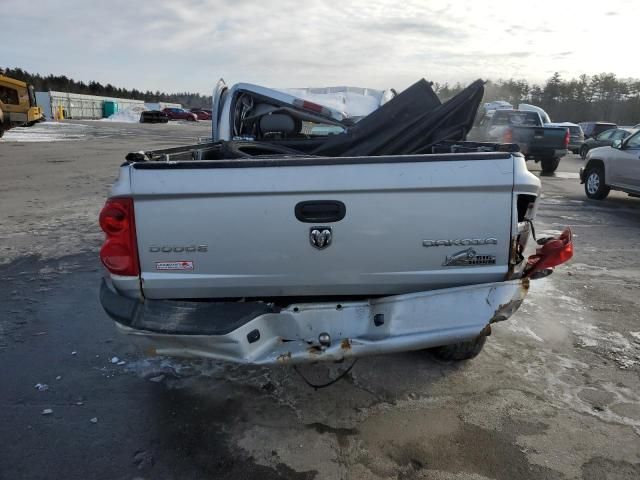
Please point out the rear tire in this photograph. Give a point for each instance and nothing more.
(594, 186)
(461, 350)
(1, 131)
(549, 165)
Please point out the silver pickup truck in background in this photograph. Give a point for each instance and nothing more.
(301, 234)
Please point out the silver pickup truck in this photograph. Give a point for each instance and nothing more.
(266, 250)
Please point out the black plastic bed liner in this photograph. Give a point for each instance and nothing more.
(280, 161)
(409, 123)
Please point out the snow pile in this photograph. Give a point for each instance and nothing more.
(127, 115)
(350, 101)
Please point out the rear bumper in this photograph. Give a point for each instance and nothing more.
(256, 332)
(540, 153)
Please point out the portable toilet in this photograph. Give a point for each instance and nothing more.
(109, 107)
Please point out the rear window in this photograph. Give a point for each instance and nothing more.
(516, 118)
(320, 129)
(603, 127)
(575, 130)
(9, 96)
(634, 141)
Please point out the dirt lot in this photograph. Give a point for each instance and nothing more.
(554, 395)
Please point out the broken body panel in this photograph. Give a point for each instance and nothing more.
(292, 335)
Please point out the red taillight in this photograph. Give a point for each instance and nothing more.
(114, 218)
(508, 136)
(312, 107)
(551, 254)
(119, 251)
(567, 137)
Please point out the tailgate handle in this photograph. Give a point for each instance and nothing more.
(320, 211)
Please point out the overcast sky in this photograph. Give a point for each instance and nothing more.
(186, 45)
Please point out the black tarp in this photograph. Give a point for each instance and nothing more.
(412, 122)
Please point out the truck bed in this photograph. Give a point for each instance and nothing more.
(239, 228)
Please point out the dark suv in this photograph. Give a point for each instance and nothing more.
(593, 129)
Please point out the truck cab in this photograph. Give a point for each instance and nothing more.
(254, 112)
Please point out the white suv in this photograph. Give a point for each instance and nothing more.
(616, 167)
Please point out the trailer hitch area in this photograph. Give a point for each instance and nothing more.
(553, 251)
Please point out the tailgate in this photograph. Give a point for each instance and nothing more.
(547, 137)
(210, 232)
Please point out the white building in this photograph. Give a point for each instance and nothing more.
(161, 105)
(78, 106)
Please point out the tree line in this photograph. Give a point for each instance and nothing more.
(585, 98)
(598, 97)
(62, 83)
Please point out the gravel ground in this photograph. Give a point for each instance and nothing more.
(555, 393)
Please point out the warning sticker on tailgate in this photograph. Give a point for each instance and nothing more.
(182, 265)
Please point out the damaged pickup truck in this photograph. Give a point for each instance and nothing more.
(304, 232)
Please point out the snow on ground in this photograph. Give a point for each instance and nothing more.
(128, 115)
(572, 319)
(46, 132)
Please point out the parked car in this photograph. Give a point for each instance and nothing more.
(201, 114)
(613, 168)
(542, 143)
(592, 129)
(604, 139)
(153, 116)
(180, 114)
(294, 248)
(637, 126)
(576, 135)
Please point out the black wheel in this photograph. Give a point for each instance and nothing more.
(594, 185)
(461, 350)
(1, 131)
(241, 149)
(583, 152)
(549, 165)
